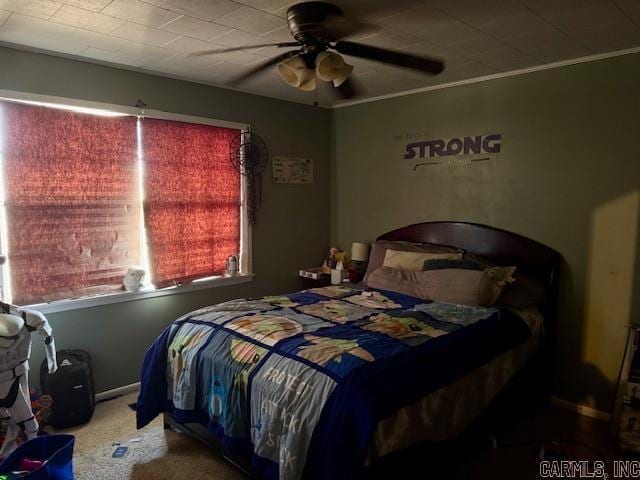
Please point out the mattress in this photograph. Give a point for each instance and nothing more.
(444, 413)
(303, 384)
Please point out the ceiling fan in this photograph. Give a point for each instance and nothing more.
(318, 29)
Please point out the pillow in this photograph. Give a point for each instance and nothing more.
(413, 261)
(439, 264)
(525, 292)
(451, 285)
(379, 248)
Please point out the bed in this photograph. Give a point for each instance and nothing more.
(325, 382)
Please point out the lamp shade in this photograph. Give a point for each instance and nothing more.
(295, 72)
(359, 252)
(330, 67)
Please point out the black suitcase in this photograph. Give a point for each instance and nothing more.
(71, 388)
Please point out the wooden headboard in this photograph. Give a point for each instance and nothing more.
(499, 246)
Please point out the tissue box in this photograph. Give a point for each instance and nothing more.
(314, 273)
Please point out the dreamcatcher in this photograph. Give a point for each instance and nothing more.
(249, 155)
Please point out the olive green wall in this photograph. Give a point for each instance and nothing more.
(568, 175)
(292, 227)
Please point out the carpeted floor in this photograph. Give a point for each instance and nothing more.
(158, 454)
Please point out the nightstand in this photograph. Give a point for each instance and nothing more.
(322, 281)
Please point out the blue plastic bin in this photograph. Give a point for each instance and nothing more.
(55, 450)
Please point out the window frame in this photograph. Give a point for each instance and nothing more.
(246, 264)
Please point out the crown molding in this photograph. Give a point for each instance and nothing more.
(512, 73)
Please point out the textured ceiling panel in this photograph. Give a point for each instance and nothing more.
(475, 38)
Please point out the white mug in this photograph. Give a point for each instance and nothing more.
(336, 276)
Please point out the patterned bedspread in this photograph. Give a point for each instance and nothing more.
(298, 383)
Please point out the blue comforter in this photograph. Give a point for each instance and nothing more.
(298, 383)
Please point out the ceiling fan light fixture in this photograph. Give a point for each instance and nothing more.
(294, 72)
(331, 67)
(344, 74)
(319, 30)
(309, 85)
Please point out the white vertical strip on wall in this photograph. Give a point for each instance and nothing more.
(5, 278)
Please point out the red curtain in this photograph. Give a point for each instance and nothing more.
(192, 200)
(72, 201)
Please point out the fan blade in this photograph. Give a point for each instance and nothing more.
(263, 66)
(248, 47)
(337, 27)
(400, 59)
(347, 89)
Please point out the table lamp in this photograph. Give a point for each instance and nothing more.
(359, 257)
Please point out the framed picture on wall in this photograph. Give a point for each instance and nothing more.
(292, 170)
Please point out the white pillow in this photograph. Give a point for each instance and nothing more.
(414, 261)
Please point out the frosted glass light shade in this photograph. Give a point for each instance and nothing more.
(331, 67)
(294, 72)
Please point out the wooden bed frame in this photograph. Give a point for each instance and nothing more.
(500, 247)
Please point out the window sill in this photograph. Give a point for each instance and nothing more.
(119, 297)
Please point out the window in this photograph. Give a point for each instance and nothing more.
(87, 196)
(71, 202)
(192, 194)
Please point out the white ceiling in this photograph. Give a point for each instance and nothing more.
(475, 37)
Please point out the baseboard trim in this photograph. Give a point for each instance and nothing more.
(581, 409)
(117, 392)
